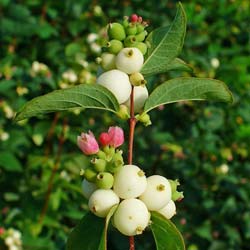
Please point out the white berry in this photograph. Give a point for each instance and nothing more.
(140, 96)
(129, 60)
(157, 193)
(131, 217)
(117, 82)
(169, 210)
(129, 182)
(88, 188)
(101, 201)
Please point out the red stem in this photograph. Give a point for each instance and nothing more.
(132, 123)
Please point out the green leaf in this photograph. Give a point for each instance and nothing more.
(188, 88)
(166, 43)
(87, 234)
(166, 235)
(103, 244)
(84, 96)
(9, 162)
(178, 65)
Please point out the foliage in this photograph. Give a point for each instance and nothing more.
(206, 144)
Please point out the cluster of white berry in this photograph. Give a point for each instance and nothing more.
(12, 238)
(122, 60)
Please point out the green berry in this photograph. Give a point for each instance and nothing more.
(108, 61)
(131, 29)
(130, 41)
(125, 22)
(104, 180)
(142, 47)
(116, 31)
(137, 79)
(101, 155)
(123, 112)
(114, 46)
(99, 164)
(140, 28)
(144, 118)
(141, 36)
(90, 174)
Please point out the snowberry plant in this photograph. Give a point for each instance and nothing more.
(117, 190)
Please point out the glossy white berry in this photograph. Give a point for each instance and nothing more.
(140, 96)
(88, 188)
(101, 201)
(129, 60)
(157, 193)
(130, 182)
(131, 217)
(169, 210)
(117, 82)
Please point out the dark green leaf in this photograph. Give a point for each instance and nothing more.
(9, 162)
(166, 235)
(166, 43)
(85, 96)
(87, 234)
(178, 65)
(188, 88)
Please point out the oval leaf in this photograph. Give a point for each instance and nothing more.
(188, 88)
(87, 234)
(179, 65)
(84, 96)
(166, 43)
(166, 235)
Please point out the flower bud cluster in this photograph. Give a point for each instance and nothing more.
(122, 60)
(12, 238)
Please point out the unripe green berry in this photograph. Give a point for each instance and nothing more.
(101, 201)
(137, 79)
(130, 182)
(90, 174)
(141, 36)
(130, 41)
(116, 31)
(129, 60)
(131, 29)
(169, 210)
(144, 118)
(99, 164)
(123, 112)
(101, 155)
(131, 217)
(142, 47)
(104, 180)
(88, 188)
(114, 46)
(117, 82)
(125, 22)
(140, 28)
(107, 61)
(116, 163)
(157, 193)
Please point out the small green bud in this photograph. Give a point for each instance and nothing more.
(130, 41)
(114, 46)
(101, 155)
(123, 112)
(104, 180)
(140, 28)
(137, 79)
(125, 22)
(108, 61)
(90, 174)
(142, 47)
(174, 184)
(110, 151)
(144, 118)
(131, 29)
(176, 196)
(141, 36)
(99, 164)
(116, 31)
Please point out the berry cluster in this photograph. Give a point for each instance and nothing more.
(122, 60)
(109, 182)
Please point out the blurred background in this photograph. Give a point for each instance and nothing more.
(47, 45)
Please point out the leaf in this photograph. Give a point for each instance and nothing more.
(9, 162)
(188, 88)
(84, 95)
(178, 65)
(87, 234)
(166, 235)
(166, 43)
(103, 244)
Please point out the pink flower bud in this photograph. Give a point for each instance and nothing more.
(134, 18)
(104, 139)
(2, 230)
(116, 136)
(87, 143)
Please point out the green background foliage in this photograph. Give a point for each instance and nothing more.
(205, 145)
